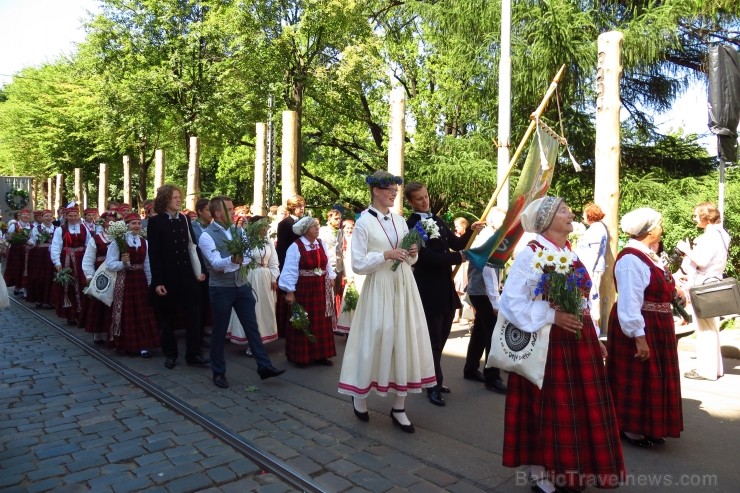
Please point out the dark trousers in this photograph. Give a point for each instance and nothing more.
(169, 319)
(480, 337)
(242, 301)
(439, 330)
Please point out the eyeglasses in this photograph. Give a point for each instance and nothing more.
(391, 189)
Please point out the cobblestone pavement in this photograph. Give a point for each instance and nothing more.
(69, 422)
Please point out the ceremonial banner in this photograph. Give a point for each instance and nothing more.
(533, 184)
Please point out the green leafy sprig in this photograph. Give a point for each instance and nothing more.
(350, 298)
(64, 276)
(299, 321)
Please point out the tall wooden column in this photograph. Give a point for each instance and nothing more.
(607, 156)
(78, 185)
(58, 195)
(127, 180)
(289, 164)
(397, 140)
(193, 189)
(158, 169)
(103, 188)
(50, 195)
(260, 159)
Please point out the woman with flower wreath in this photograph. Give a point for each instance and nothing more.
(66, 252)
(40, 266)
(95, 316)
(307, 278)
(16, 265)
(388, 346)
(132, 326)
(566, 432)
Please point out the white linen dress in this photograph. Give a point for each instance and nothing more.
(260, 279)
(388, 347)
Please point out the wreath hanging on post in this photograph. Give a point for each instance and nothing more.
(17, 199)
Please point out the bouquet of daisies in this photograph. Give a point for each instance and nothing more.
(117, 232)
(560, 283)
(423, 231)
(299, 321)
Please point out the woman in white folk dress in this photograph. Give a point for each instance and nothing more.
(352, 280)
(388, 348)
(263, 279)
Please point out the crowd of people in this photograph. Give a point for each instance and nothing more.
(176, 269)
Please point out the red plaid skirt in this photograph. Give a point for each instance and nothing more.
(647, 394)
(40, 275)
(310, 292)
(14, 266)
(138, 325)
(568, 426)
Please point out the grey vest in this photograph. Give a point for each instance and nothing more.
(221, 279)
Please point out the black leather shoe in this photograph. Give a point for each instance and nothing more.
(360, 415)
(407, 428)
(444, 389)
(324, 361)
(655, 440)
(220, 381)
(169, 362)
(197, 361)
(497, 386)
(637, 442)
(435, 396)
(269, 372)
(474, 375)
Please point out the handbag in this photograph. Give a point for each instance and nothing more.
(102, 285)
(193, 252)
(514, 350)
(715, 298)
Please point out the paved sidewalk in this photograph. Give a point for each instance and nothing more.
(300, 418)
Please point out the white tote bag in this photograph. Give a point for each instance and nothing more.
(4, 297)
(514, 350)
(102, 285)
(193, 253)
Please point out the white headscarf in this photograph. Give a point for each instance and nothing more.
(538, 215)
(640, 221)
(302, 225)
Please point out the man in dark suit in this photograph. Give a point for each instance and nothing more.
(175, 291)
(284, 238)
(433, 273)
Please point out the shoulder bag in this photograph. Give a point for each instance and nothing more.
(102, 285)
(515, 350)
(193, 252)
(715, 298)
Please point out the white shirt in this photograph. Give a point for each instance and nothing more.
(208, 249)
(709, 255)
(633, 276)
(331, 237)
(366, 262)
(289, 275)
(113, 257)
(91, 253)
(57, 242)
(518, 302)
(589, 247)
(17, 225)
(267, 257)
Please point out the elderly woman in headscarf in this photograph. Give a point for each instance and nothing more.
(643, 356)
(307, 278)
(567, 430)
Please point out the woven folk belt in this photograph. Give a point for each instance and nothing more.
(312, 272)
(649, 306)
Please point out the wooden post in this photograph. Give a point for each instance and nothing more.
(58, 195)
(260, 159)
(127, 180)
(50, 195)
(103, 188)
(607, 155)
(192, 192)
(504, 105)
(78, 185)
(397, 140)
(158, 169)
(84, 199)
(289, 164)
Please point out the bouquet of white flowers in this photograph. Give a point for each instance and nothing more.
(117, 231)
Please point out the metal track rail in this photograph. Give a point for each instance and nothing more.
(266, 461)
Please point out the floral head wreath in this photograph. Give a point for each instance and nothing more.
(384, 181)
